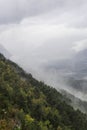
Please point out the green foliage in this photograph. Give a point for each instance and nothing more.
(27, 104)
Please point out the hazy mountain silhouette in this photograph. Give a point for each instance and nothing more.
(73, 72)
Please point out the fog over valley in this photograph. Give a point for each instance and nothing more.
(48, 39)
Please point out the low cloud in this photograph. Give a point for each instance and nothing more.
(80, 45)
(39, 32)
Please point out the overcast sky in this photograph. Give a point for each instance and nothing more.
(38, 31)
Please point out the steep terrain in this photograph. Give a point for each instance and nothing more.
(27, 104)
(75, 101)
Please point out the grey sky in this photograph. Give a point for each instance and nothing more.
(16, 10)
(38, 31)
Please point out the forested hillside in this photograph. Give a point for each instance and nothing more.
(27, 104)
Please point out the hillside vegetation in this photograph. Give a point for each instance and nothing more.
(27, 104)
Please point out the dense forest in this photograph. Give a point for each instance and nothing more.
(27, 104)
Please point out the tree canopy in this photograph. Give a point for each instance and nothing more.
(27, 104)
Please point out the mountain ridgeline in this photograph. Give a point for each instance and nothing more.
(27, 104)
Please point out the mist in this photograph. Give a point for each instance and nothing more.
(40, 35)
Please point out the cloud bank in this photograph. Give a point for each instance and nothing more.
(39, 32)
(43, 30)
(80, 45)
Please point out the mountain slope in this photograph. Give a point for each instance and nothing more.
(75, 101)
(26, 104)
